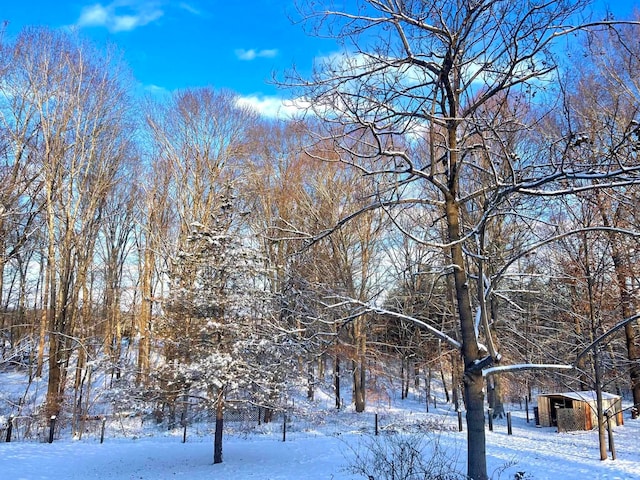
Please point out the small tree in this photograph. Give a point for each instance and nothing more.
(220, 336)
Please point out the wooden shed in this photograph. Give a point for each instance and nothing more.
(571, 411)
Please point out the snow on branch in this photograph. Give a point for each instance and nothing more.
(606, 334)
(383, 311)
(525, 366)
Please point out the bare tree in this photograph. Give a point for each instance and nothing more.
(77, 100)
(296, 196)
(605, 109)
(116, 250)
(20, 190)
(424, 73)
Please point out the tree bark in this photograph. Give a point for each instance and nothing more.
(310, 380)
(359, 372)
(217, 442)
(494, 395)
(633, 348)
(144, 319)
(473, 380)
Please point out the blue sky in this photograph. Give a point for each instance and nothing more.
(171, 45)
(174, 44)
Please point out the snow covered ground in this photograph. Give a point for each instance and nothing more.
(318, 447)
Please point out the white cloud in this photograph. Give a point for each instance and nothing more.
(190, 8)
(120, 15)
(156, 90)
(252, 54)
(274, 107)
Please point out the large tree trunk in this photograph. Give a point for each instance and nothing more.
(144, 319)
(473, 380)
(55, 377)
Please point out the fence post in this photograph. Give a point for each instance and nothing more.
(459, 421)
(526, 406)
(376, 419)
(52, 426)
(284, 428)
(509, 429)
(9, 429)
(104, 423)
(490, 417)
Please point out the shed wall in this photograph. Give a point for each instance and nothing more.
(543, 411)
(587, 407)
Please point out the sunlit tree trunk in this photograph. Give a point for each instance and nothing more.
(359, 372)
(144, 317)
(473, 381)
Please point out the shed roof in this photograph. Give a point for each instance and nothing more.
(584, 396)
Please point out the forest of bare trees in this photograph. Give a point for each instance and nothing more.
(461, 194)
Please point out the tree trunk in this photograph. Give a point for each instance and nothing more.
(322, 364)
(359, 384)
(268, 415)
(428, 388)
(476, 451)
(402, 378)
(583, 379)
(336, 380)
(633, 352)
(359, 372)
(622, 264)
(494, 394)
(310, 380)
(42, 337)
(405, 393)
(602, 442)
(217, 441)
(55, 377)
(633, 347)
(2, 267)
(455, 383)
(473, 380)
(144, 320)
(444, 384)
(593, 333)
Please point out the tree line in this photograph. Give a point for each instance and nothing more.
(462, 194)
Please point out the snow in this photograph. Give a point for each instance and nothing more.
(586, 396)
(321, 443)
(319, 447)
(163, 459)
(525, 366)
